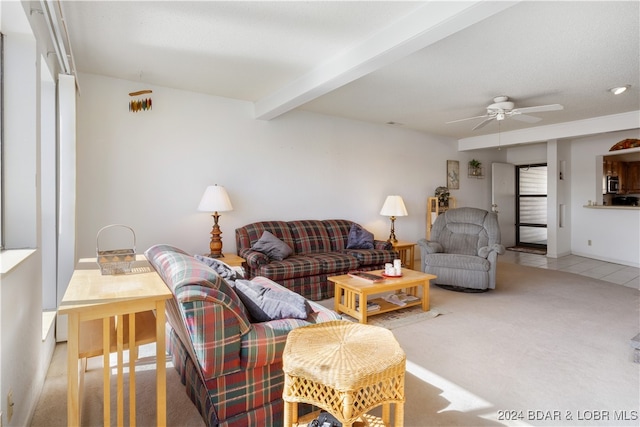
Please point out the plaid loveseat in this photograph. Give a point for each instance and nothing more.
(231, 367)
(319, 251)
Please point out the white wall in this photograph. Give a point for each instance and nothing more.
(149, 169)
(527, 154)
(24, 356)
(577, 144)
(614, 234)
(563, 167)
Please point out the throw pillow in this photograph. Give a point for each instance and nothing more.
(359, 238)
(272, 247)
(219, 266)
(264, 304)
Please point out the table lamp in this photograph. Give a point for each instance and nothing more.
(393, 207)
(215, 199)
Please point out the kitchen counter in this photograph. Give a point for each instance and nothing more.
(633, 208)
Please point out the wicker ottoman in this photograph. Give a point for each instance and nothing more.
(344, 368)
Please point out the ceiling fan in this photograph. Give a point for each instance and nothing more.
(503, 108)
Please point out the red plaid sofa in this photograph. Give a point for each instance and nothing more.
(231, 367)
(319, 251)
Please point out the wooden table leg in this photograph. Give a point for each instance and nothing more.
(161, 366)
(425, 295)
(133, 355)
(363, 308)
(120, 370)
(106, 370)
(337, 299)
(73, 394)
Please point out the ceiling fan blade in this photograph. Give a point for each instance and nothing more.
(468, 118)
(483, 123)
(525, 118)
(538, 109)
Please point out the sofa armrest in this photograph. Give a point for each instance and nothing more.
(254, 259)
(486, 250)
(429, 247)
(215, 325)
(382, 245)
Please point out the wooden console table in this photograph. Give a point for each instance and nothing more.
(104, 311)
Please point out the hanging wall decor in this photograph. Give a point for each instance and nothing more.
(140, 104)
(453, 174)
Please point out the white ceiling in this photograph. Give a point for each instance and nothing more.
(418, 64)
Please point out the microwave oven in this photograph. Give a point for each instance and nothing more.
(613, 184)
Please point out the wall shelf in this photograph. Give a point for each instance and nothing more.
(477, 173)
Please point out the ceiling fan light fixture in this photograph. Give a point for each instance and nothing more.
(619, 89)
(502, 109)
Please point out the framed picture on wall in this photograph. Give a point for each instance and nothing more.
(453, 174)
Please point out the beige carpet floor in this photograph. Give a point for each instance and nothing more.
(544, 348)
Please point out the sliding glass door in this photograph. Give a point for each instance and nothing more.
(531, 205)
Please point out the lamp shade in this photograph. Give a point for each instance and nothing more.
(215, 199)
(393, 206)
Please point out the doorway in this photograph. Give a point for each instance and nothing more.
(503, 200)
(531, 206)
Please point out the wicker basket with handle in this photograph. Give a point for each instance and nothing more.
(115, 261)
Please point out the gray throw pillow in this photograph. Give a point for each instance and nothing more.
(359, 238)
(264, 304)
(272, 247)
(220, 267)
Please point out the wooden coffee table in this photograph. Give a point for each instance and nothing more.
(352, 294)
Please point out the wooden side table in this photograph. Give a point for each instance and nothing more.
(104, 312)
(407, 251)
(232, 259)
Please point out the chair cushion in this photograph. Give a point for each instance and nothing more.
(310, 236)
(338, 230)
(461, 238)
(292, 267)
(462, 262)
(335, 262)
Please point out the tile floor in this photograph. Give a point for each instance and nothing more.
(607, 271)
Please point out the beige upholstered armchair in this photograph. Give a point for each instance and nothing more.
(463, 250)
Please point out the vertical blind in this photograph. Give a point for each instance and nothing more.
(532, 205)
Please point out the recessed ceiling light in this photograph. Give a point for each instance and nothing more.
(620, 89)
